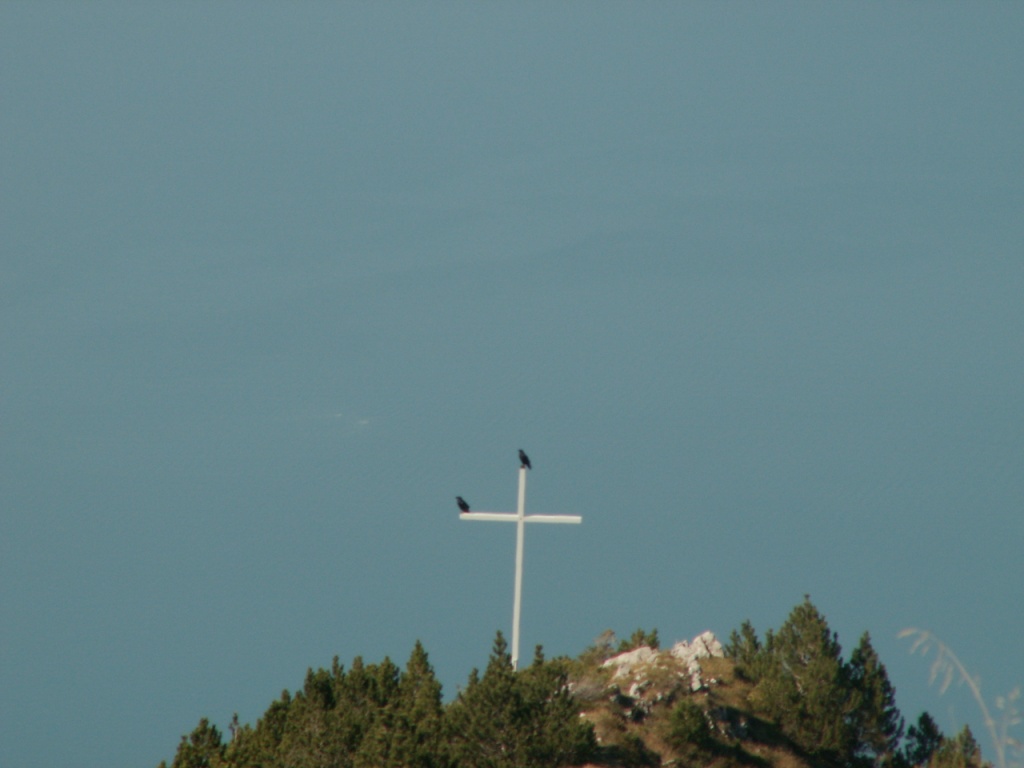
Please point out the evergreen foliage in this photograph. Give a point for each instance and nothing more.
(805, 686)
(203, 748)
(923, 739)
(745, 649)
(506, 719)
(962, 751)
(877, 723)
(377, 716)
(416, 724)
(789, 700)
(688, 726)
(842, 711)
(640, 638)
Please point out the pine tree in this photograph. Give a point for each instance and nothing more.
(417, 735)
(923, 739)
(354, 714)
(559, 736)
(259, 747)
(203, 748)
(805, 686)
(310, 738)
(379, 705)
(509, 720)
(640, 638)
(746, 650)
(482, 721)
(962, 751)
(877, 724)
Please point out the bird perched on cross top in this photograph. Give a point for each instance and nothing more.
(524, 460)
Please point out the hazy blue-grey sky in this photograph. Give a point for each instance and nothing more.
(279, 280)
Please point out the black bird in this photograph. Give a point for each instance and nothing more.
(462, 503)
(524, 460)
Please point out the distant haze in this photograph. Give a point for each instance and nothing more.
(279, 281)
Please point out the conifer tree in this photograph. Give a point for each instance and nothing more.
(259, 747)
(640, 638)
(379, 704)
(560, 737)
(506, 719)
(923, 739)
(417, 726)
(310, 738)
(405, 727)
(482, 721)
(203, 748)
(354, 714)
(962, 751)
(806, 687)
(878, 726)
(746, 650)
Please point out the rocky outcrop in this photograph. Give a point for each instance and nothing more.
(633, 665)
(703, 646)
(645, 676)
(625, 664)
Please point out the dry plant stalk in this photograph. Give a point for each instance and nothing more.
(948, 668)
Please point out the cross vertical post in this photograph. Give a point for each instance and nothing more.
(520, 531)
(520, 518)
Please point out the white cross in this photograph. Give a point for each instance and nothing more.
(519, 517)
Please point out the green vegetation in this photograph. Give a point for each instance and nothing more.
(688, 726)
(841, 712)
(640, 638)
(787, 700)
(507, 719)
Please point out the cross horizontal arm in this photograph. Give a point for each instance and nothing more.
(511, 517)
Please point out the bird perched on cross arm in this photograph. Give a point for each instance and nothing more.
(462, 504)
(524, 460)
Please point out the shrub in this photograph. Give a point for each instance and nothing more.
(688, 726)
